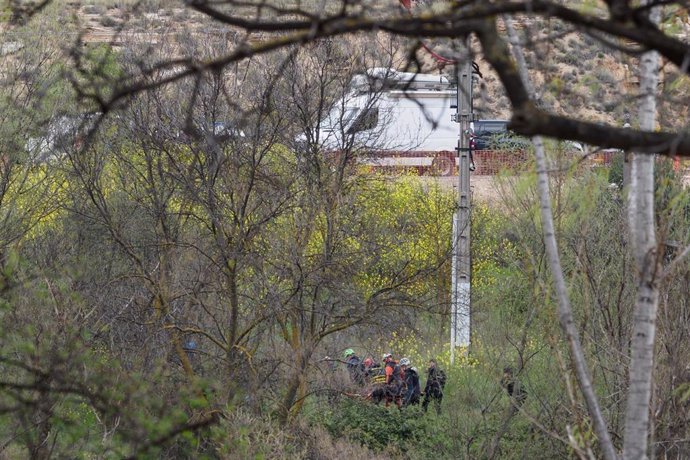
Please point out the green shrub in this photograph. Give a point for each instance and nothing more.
(605, 76)
(108, 21)
(616, 171)
(376, 427)
(94, 9)
(242, 435)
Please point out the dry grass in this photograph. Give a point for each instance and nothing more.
(248, 436)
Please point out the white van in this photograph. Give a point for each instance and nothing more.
(398, 120)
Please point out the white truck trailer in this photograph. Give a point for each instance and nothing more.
(396, 121)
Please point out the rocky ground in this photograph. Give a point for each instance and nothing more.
(572, 73)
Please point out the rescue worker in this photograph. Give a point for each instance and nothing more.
(394, 381)
(412, 387)
(368, 363)
(354, 366)
(512, 386)
(371, 370)
(375, 376)
(435, 381)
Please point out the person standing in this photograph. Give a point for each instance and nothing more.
(513, 387)
(412, 387)
(435, 382)
(355, 367)
(394, 380)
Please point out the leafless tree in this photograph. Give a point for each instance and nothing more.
(281, 26)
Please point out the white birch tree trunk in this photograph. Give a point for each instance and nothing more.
(644, 247)
(565, 313)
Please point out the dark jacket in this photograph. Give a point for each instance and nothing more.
(435, 381)
(356, 369)
(514, 388)
(414, 390)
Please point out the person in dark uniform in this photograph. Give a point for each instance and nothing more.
(435, 382)
(355, 367)
(512, 386)
(412, 387)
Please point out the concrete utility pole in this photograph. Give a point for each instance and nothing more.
(626, 156)
(460, 320)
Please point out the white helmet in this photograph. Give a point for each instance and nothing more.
(386, 355)
(404, 362)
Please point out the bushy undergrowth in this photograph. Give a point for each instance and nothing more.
(475, 409)
(375, 426)
(242, 435)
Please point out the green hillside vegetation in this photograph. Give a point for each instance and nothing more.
(182, 270)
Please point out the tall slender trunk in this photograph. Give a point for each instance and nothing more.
(644, 246)
(235, 361)
(234, 302)
(297, 387)
(565, 312)
(162, 300)
(39, 442)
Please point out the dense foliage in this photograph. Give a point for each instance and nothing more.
(179, 281)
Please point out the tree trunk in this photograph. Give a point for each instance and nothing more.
(235, 362)
(296, 390)
(644, 246)
(234, 301)
(565, 313)
(39, 447)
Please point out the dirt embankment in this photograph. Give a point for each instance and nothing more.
(484, 188)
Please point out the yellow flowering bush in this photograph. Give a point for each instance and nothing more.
(491, 250)
(406, 343)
